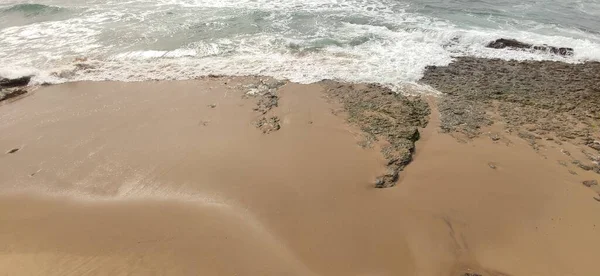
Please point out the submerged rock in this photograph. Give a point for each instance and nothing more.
(518, 45)
(503, 43)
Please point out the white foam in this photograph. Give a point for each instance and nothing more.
(12, 72)
(139, 40)
(155, 54)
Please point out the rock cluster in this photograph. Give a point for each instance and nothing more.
(266, 93)
(385, 116)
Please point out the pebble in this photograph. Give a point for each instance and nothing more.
(590, 183)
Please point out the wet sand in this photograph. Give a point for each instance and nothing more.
(174, 178)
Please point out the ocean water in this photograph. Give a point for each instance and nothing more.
(383, 41)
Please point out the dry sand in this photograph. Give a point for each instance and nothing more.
(173, 178)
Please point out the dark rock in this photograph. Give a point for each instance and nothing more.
(572, 172)
(212, 105)
(595, 145)
(590, 156)
(517, 45)
(504, 43)
(11, 93)
(8, 83)
(12, 151)
(472, 274)
(582, 166)
(561, 51)
(590, 183)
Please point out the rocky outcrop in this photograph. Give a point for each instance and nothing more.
(518, 45)
(17, 82)
(11, 88)
(548, 97)
(549, 100)
(384, 116)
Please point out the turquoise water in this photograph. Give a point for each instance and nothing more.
(384, 41)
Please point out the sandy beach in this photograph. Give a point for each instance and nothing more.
(187, 178)
(300, 137)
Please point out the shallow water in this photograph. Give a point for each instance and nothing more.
(384, 41)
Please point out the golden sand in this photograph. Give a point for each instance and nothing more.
(173, 178)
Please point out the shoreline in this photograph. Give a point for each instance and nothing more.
(186, 177)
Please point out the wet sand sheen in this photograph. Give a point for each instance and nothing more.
(146, 177)
(62, 236)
